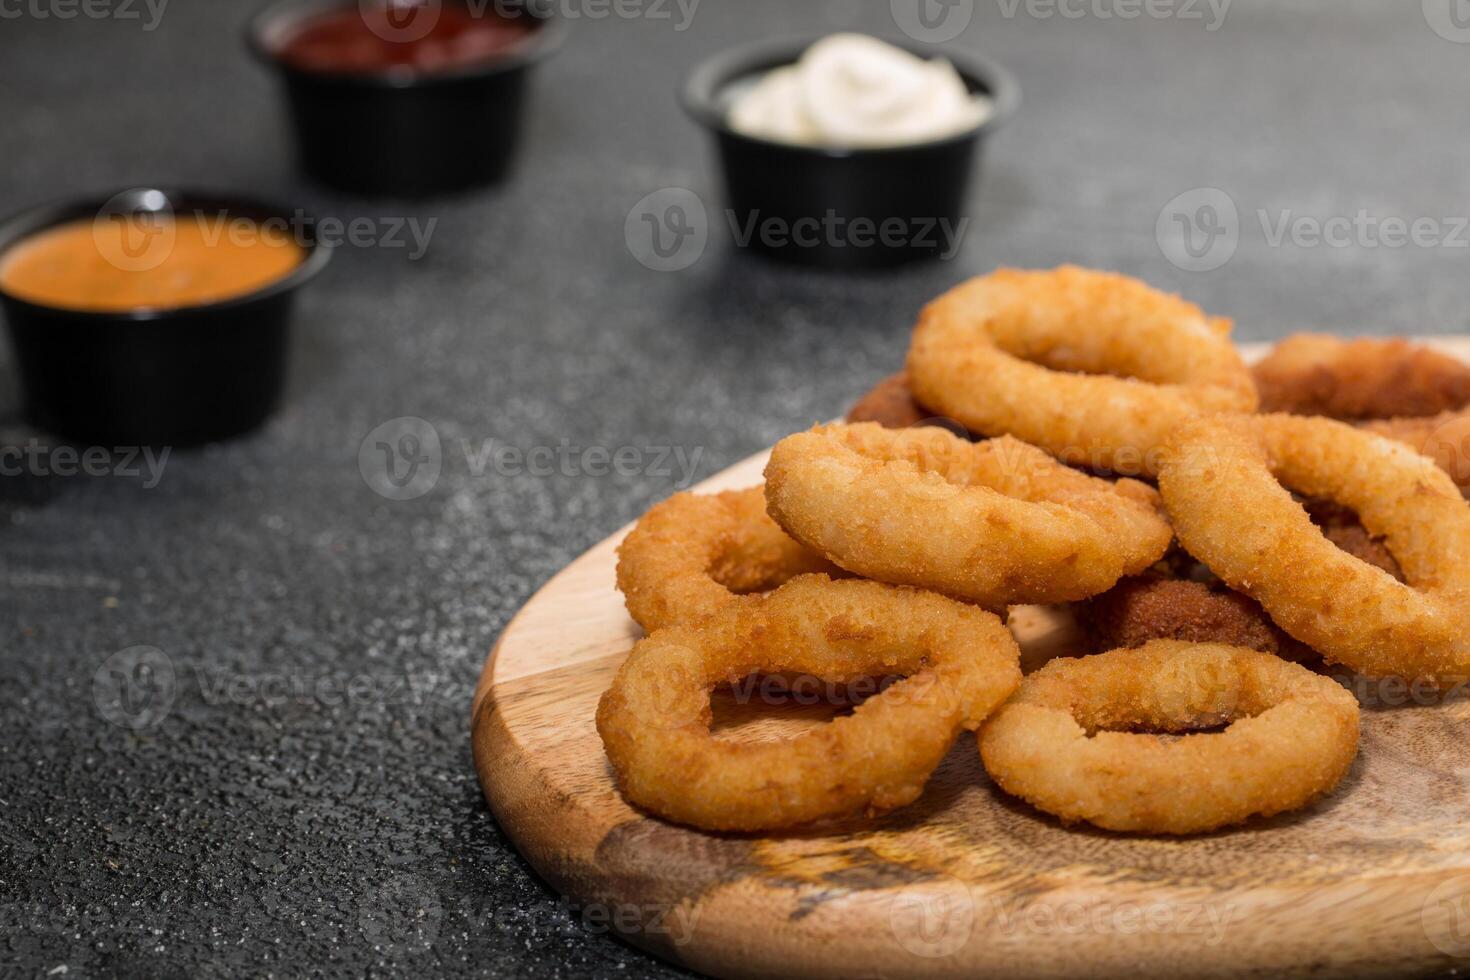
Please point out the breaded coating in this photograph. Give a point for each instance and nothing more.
(995, 523)
(1343, 528)
(1093, 367)
(891, 404)
(694, 554)
(1180, 599)
(1444, 438)
(958, 663)
(1356, 380)
(1116, 739)
(1408, 392)
(1225, 483)
(1145, 608)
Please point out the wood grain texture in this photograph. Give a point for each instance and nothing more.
(1373, 881)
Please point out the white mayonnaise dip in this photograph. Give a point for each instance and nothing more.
(850, 90)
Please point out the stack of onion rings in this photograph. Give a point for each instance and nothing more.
(1407, 392)
(1365, 569)
(960, 662)
(1066, 742)
(695, 554)
(1222, 481)
(995, 523)
(1025, 353)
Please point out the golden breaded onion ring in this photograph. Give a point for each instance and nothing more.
(1064, 741)
(1225, 483)
(959, 663)
(694, 554)
(1444, 438)
(1093, 367)
(1406, 391)
(996, 523)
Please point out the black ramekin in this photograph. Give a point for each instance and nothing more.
(783, 184)
(176, 377)
(401, 135)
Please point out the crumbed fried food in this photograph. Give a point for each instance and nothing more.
(958, 664)
(694, 554)
(1356, 380)
(891, 404)
(1343, 528)
(1225, 480)
(1121, 739)
(1408, 392)
(1180, 599)
(996, 523)
(1444, 438)
(1144, 608)
(1093, 367)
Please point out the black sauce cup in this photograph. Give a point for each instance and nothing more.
(171, 377)
(858, 208)
(401, 134)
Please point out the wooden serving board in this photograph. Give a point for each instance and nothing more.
(1373, 881)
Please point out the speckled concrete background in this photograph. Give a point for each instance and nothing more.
(289, 791)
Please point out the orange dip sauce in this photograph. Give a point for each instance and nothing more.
(124, 263)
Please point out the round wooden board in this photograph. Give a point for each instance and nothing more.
(1373, 881)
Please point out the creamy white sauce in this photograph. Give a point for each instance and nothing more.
(850, 90)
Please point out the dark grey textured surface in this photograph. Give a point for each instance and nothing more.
(306, 805)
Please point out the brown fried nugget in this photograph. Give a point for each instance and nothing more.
(1342, 527)
(891, 404)
(1179, 599)
(1356, 380)
(1154, 607)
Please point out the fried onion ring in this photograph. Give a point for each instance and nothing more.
(1367, 378)
(1025, 353)
(1408, 392)
(996, 523)
(694, 554)
(1067, 741)
(1220, 483)
(960, 661)
(1444, 438)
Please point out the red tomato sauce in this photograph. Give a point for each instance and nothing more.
(407, 36)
